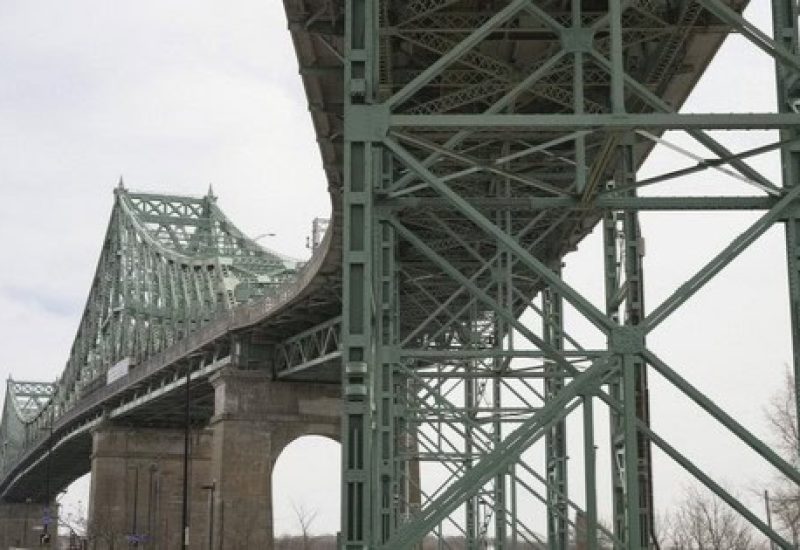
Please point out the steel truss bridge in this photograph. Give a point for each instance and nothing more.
(468, 145)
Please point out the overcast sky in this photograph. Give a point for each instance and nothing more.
(177, 94)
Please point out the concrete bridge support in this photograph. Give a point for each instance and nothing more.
(137, 487)
(21, 524)
(255, 419)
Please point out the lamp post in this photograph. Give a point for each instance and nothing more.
(186, 418)
(263, 236)
(44, 539)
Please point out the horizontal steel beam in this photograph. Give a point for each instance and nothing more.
(603, 203)
(568, 122)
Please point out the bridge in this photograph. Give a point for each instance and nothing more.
(469, 146)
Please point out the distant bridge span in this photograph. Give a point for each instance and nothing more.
(469, 146)
(223, 282)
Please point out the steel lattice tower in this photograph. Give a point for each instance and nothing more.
(482, 141)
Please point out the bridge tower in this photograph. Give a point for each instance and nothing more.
(482, 141)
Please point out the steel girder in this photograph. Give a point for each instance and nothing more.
(168, 267)
(23, 402)
(459, 202)
(311, 354)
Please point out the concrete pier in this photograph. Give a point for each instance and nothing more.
(255, 419)
(137, 488)
(137, 474)
(21, 524)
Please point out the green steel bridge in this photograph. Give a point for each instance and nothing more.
(469, 145)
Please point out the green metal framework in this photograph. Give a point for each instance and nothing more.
(169, 266)
(23, 402)
(482, 141)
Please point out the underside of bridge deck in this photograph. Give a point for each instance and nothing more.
(476, 143)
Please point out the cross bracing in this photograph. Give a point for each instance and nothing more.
(476, 144)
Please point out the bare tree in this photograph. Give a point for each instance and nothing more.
(704, 522)
(305, 518)
(784, 494)
(102, 533)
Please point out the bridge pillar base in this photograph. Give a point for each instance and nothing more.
(21, 524)
(137, 488)
(255, 419)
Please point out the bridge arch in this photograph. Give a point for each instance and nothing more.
(306, 479)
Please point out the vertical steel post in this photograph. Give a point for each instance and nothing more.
(631, 460)
(590, 473)
(578, 100)
(556, 437)
(471, 510)
(361, 480)
(186, 446)
(387, 381)
(785, 32)
(612, 289)
(617, 59)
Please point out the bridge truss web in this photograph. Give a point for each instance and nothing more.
(482, 141)
(169, 266)
(23, 402)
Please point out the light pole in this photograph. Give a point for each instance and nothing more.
(46, 519)
(186, 418)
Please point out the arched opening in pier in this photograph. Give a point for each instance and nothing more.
(73, 507)
(306, 483)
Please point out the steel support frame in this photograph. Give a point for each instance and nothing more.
(386, 371)
(311, 348)
(556, 438)
(624, 249)
(785, 33)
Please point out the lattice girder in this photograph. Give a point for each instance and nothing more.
(168, 266)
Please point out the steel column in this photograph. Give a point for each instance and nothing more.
(785, 32)
(556, 438)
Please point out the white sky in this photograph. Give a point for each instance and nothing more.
(175, 95)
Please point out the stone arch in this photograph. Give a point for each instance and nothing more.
(255, 419)
(306, 482)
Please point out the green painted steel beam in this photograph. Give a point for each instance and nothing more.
(726, 256)
(661, 106)
(776, 50)
(474, 38)
(605, 202)
(764, 450)
(505, 453)
(598, 122)
(715, 487)
(575, 298)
